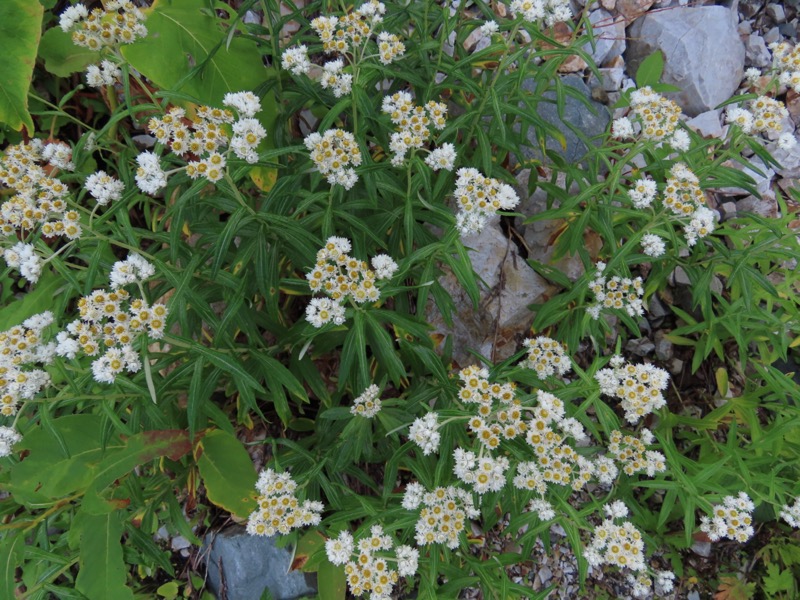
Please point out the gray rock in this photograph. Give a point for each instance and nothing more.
(680, 277)
(756, 53)
(676, 366)
(609, 36)
(727, 210)
(788, 159)
(584, 115)
(250, 564)
(641, 347)
(502, 319)
(631, 9)
(708, 124)
(663, 347)
(766, 206)
(759, 172)
(702, 549)
(772, 36)
(776, 13)
(703, 54)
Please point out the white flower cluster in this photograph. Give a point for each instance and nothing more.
(341, 276)
(206, 136)
(133, 269)
(632, 453)
(296, 60)
(732, 519)
(111, 322)
(617, 545)
(786, 61)
(546, 357)
(638, 387)
(118, 22)
(370, 571)
(23, 257)
(335, 153)
(555, 460)
(642, 585)
(335, 79)
(483, 473)
(543, 509)
(424, 432)
(104, 188)
(278, 510)
(478, 198)
(763, 115)
(643, 193)
(619, 293)
(8, 437)
(442, 517)
(413, 129)
(653, 245)
(658, 117)
(106, 73)
(499, 412)
(791, 514)
(683, 196)
(20, 348)
(549, 11)
(368, 404)
(38, 201)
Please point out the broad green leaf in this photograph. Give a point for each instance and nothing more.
(20, 31)
(48, 472)
(101, 570)
(38, 300)
(650, 70)
(227, 472)
(186, 50)
(62, 57)
(332, 582)
(137, 450)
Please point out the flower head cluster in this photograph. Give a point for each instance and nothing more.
(443, 513)
(619, 293)
(296, 60)
(104, 188)
(543, 509)
(278, 510)
(658, 117)
(642, 585)
(762, 115)
(732, 519)
(632, 453)
(483, 473)
(683, 196)
(110, 323)
(341, 276)
(546, 357)
(424, 432)
(368, 404)
(643, 193)
(499, 411)
(335, 153)
(786, 61)
(8, 437)
(549, 11)
(791, 514)
(106, 73)
(367, 563)
(205, 137)
(480, 197)
(118, 22)
(38, 200)
(335, 79)
(20, 348)
(555, 461)
(653, 245)
(638, 387)
(413, 128)
(617, 545)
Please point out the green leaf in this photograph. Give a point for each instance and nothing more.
(12, 549)
(102, 573)
(62, 57)
(20, 31)
(199, 63)
(650, 70)
(332, 582)
(38, 300)
(227, 472)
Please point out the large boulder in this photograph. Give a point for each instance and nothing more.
(703, 53)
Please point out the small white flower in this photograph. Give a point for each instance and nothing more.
(489, 28)
(752, 75)
(104, 188)
(407, 560)
(8, 437)
(71, 16)
(652, 245)
(443, 157)
(622, 128)
(680, 140)
(246, 104)
(150, 177)
(340, 549)
(385, 267)
(787, 141)
(424, 432)
(131, 270)
(368, 404)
